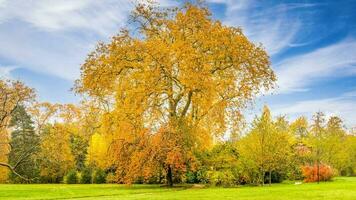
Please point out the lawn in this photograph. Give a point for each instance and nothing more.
(340, 188)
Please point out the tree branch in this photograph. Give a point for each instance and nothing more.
(14, 171)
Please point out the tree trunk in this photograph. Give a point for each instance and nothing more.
(270, 177)
(318, 170)
(169, 176)
(263, 177)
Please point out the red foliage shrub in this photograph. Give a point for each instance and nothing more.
(310, 173)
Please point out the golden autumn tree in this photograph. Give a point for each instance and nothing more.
(178, 71)
(55, 155)
(12, 95)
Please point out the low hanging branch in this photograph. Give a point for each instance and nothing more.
(13, 170)
(20, 160)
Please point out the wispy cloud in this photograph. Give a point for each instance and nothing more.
(272, 25)
(298, 72)
(54, 37)
(98, 16)
(343, 106)
(5, 71)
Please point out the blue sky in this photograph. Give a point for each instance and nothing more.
(312, 45)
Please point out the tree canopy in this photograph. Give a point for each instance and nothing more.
(177, 68)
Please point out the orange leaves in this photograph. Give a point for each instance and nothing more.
(179, 52)
(315, 173)
(180, 77)
(12, 93)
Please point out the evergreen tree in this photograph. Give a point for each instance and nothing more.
(24, 145)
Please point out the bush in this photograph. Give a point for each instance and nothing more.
(99, 176)
(86, 176)
(71, 177)
(111, 178)
(310, 173)
(222, 178)
(275, 177)
(191, 177)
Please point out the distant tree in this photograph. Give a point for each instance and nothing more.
(316, 139)
(98, 151)
(24, 146)
(42, 113)
(55, 153)
(79, 148)
(220, 165)
(302, 154)
(335, 148)
(267, 146)
(300, 128)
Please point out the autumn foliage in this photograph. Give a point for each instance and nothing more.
(310, 173)
(163, 102)
(181, 70)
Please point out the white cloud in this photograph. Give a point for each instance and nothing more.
(50, 15)
(298, 72)
(273, 26)
(350, 94)
(342, 106)
(5, 71)
(102, 17)
(57, 55)
(54, 37)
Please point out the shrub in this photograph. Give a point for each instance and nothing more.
(86, 176)
(310, 173)
(202, 176)
(71, 177)
(99, 176)
(111, 178)
(222, 178)
(276, 177)
(191, 177)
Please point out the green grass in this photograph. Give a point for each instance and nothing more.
(340, 188)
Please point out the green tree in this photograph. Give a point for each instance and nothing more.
(335, 148)
(55, 154)
(24, 146)
(79, 148)
(316, 137)
(267, 146)
(220, 165)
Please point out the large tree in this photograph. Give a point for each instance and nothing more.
(177, 70)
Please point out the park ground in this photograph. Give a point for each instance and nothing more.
(339, 188)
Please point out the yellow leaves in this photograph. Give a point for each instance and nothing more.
(42, 113)
(97, 152)
(4, 150)
(56, 152)
(12, 93)
(181, 68)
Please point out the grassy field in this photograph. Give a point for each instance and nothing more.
(340, 188)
